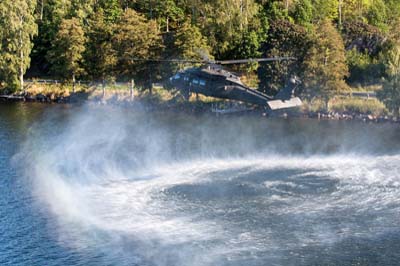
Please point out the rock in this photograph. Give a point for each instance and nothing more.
(40, 97)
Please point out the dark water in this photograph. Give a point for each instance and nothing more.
(104, 186)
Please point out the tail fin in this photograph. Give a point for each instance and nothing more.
(289, 91)
(286, 97)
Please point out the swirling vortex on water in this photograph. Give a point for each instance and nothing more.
(233, 211)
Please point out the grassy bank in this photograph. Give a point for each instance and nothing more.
(370, 106)
(121, 93)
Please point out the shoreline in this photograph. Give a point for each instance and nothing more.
(198, 108)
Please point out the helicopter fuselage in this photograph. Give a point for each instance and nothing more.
(214, 81)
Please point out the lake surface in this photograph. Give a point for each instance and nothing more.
(95, 185)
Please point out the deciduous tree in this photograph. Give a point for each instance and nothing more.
(285, 39)
(100, 56)
(190, 43)
(67, 51)
(17, 29)
(390, 94)
(136, 38)
(325, 63)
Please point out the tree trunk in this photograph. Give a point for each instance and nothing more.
(21, 79)
(21, 53)
(21, 69)
(131, 89)
(167, 24)
(327, 104)
(41, 10)
(104, 88)
(73, 83)
(340, 12)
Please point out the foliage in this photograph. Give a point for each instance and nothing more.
(325, 10)
(67, 50)
(363, 69)
(303, 12)
(191, 44)
(135, 38)
(326, 63)
(100, 57)
(109, 34)
(390, 94)
(287, 40)
(363, 37)
(17, 30)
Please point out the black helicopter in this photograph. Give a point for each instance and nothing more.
(213, 80)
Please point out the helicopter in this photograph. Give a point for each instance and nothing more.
(211, 79)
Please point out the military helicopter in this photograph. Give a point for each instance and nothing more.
(211, 79)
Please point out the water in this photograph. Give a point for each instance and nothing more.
(105, 186)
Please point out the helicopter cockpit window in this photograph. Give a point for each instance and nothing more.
(195, 81)
(202, 82)
(177, 76)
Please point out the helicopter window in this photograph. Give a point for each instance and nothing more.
(202, 82)
(177, 76)
(195, 81)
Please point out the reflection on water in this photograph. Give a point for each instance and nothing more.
(121, 187)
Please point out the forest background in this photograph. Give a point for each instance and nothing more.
(339, 45)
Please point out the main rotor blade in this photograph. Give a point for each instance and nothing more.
(251, 60)
(171, 60)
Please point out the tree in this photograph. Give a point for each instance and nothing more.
(100, 57)
(50, 15)
(354, 10)
(67, 50)
(135, 38)
(111, 9)
(390, 94)
(363, 37)
(168, 14)
(17, 29)
(224, 22)
(325, 63)
(377, 15)
(325, 9)
(303, 12)
(190, 43)
(285, 39)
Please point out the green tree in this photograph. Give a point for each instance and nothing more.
(100, 57)
(390, 94)
(303, 12)
(377, 15)
(17, 29)
(67, 50)
(285, 39)
(49, 17)
(353, 9)
(325, 63)
(325, 9)
(190, 43)
(135, 38)
(111, 9)
(225, 22)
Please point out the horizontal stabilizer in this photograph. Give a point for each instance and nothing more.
(283, 104)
